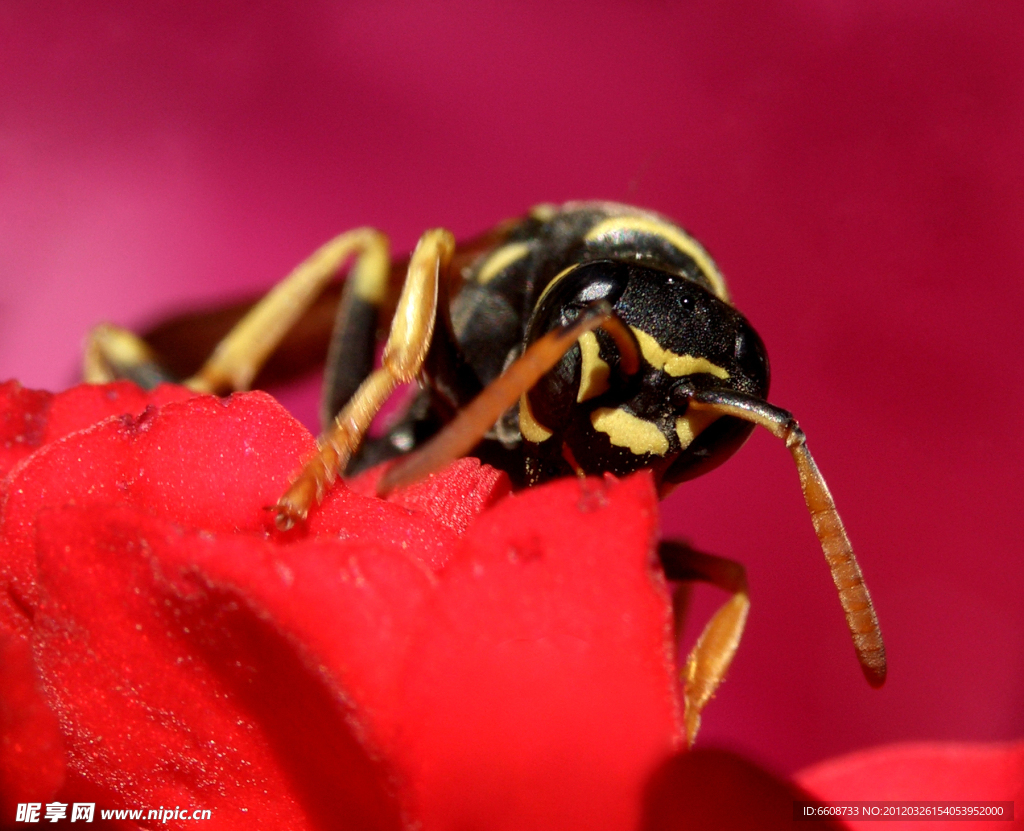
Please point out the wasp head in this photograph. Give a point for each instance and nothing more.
(620, 404)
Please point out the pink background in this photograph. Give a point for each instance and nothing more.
(856, 168)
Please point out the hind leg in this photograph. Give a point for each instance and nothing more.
(239, 356)
(113, 353)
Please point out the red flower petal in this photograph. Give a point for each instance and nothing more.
(454, 499)
(923, 771)
(483, 692)
(193, 653)
(216, 465)
(176, 690)
(543, 690)
(705, 789)
(31, 750)
(203, 462)
(31, 418)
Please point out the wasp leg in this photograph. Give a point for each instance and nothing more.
(186, 340)
(447, 384)
(471, 423)
(406, 348)
(243, 351)
(112, 353)
(711, 656)
(353, 341)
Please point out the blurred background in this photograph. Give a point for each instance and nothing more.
(856, 168)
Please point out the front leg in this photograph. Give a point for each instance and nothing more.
(408, 342)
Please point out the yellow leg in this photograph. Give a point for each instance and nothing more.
(240, 355)
(712, 655)
(408, 341)
(112, 353)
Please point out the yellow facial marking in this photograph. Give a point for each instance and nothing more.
(627, 430)
(675, 365)
(501, 259)
(691, 425)
(530, 428)
(620, 226)
(593, 370)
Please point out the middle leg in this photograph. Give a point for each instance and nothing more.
(711, 656)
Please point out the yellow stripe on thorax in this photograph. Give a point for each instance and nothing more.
(618, 226)
(544, 212)
(501, 259)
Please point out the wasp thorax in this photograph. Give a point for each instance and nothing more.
(597, 411)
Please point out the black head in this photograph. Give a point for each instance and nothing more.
(592, 413)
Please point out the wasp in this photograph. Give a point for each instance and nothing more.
(580, 339)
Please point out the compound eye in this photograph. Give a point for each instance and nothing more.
(752, 358)
(742, 346)
(586, 371)
(573, 290)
